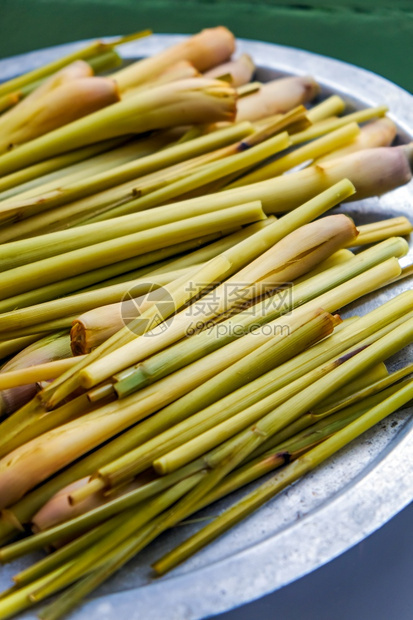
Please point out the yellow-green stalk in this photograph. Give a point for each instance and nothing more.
(102, 274)
(46, 271)
(188, 101)
(291, 473)
(280, 264)
(331, 124)
(85, 53)
(380, 132)
(47, 349)
(150, 163)
(204, 50)
(377, 231)
(277, 96)
(241, 70)
(329, 107)
(238, 256)
(310, 151)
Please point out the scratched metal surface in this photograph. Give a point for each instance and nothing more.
(326, 512)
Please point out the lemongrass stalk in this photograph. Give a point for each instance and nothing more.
(247, 474)
(209, 439)
(373, 171)
(65, 104)
(280, 122)
(204, 50)
(123, 468)
(296, 117)
(324, 126)
(201, 255)
(82, 302)
(306, 423)
(55, 325)
(19, 600)
(245, 89)
(33, 422)
(81, 281)
(31, 198)
(278, 265)
(228, 380)
(85, 53)
(176, 294)
(329, 406)
(96, 325)
(9, 100)
(14, 345)
(75, 70)
(331, 106)
(210, 101)
(105, 61)
(271, 383)
(207, 436)
(239, 255)
(338, 258)
(63, 448)
(97, 207)
(208, 248)
(24, 251)
(277, 96)
(183, 353)
(371, 376)
(174, 154)
(179, 71)
(47, 349)
(114, 561)
(133, 521)
(230, 454)
(377, 231)
(46, 271)
(34, 374)
(212, 172)
(380, 132)
(93, 327)
(291, 473)
(277, 419)
(32, 206)
(311, 151)
(241, 70)
(27, 507)
(53, 165)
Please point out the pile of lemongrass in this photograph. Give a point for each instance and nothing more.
(169, 298)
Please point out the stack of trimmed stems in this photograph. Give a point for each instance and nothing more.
(169, 299)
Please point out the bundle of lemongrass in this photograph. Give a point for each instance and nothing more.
(166, 339)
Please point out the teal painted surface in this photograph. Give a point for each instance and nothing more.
(375, 34)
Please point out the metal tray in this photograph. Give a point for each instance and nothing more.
(331, 509)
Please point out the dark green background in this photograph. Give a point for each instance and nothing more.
(375, 34)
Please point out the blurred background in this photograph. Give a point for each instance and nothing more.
(375, 34)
